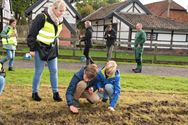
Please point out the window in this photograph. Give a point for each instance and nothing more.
(154, 36)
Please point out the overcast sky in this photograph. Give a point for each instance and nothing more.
(183, 3)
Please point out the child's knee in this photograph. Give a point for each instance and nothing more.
(109, 89)
(82, 85)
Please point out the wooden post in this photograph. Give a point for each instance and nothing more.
(130, 37)
(115, 52)
(171, 41)
(155, 54)
(151, 38)
(74, 46)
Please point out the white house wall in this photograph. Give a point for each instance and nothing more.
(116, 20)
(140, 9)
(165, 37)
(126, 9)
(6, 12)
(179, 37)
(38, 9)
(129, 9)
(69, 14)
(6, 9)
(108, 21)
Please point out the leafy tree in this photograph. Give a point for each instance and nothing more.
(19, 7)
(85, 7)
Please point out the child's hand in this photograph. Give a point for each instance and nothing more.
(73, 109)
(111, 108)
(101, 90)
(90, 90)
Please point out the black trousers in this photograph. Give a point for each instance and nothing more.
(89, 60)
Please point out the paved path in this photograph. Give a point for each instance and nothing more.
(124, 68)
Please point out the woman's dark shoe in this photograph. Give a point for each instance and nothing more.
(10, 69)
(36, 97)
(56, 97)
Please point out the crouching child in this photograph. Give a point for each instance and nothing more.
(109, 84)
(81, 86)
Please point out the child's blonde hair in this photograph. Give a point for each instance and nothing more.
(110, 68)
(91, 71)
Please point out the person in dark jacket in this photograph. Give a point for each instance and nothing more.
(42, 41)
(82, 85)
(87, 42)
(110, 36)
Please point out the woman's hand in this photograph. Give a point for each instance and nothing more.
(32, 53)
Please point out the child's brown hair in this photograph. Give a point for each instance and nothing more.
(91, 71)
(11, 21)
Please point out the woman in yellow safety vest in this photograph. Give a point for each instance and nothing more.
(9, 41)
(42, 41)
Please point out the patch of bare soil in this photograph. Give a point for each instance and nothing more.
(133, 108)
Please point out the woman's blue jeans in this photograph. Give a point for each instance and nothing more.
(2, 84)
(39, 67)
(10, 56)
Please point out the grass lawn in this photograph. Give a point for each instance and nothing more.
(144, 100)
(128, 81)
(123, 55)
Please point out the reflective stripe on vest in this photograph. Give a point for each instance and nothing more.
(47, 33)
(10, 40)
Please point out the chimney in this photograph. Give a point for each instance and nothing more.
(168, 10)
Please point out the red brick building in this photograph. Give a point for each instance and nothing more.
(177, 12)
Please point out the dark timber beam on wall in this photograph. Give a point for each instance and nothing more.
(119, 42)
(133, 6)
(130, 38)
(171, 40)
(151, 38)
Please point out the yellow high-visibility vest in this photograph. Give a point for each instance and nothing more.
(12, 39)
(47, 33)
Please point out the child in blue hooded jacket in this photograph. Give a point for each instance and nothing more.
(109, 84)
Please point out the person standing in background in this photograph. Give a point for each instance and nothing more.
(140, 39)
(43, 43)
(9, 40)
(110, 36)
(87, 42)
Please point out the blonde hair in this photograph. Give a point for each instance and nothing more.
(91, 71)
(110, 68)
(58, 4)
(88, 23)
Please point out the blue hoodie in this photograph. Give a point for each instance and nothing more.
(114, 80)
(73, 83)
